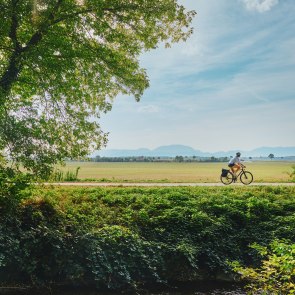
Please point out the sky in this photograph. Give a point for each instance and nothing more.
(230, 86)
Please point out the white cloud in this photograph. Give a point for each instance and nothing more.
(193, 50)
(148, 109)
(260, 5)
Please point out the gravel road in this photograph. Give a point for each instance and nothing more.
(157, 184)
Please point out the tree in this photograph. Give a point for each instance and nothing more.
(179, 159)
(271, 156)
(63, 62)
(213, 159)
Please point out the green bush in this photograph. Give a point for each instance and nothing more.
(14, 186)
(276, 274)
(124, 237)
(292, 174)
(59, 176)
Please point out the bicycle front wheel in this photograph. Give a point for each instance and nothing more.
(228, 179)
(246, 177)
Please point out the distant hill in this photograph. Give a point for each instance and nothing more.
(176, 150)
(182, 150)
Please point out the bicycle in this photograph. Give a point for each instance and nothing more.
(227, 178)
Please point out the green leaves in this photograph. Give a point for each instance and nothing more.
(119, 238)
(63, 62)
(14, 186)
(276, 274)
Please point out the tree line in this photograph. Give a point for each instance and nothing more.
(178, 159)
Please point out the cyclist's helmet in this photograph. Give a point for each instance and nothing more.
(238, 154)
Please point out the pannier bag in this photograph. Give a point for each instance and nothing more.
(224, 172)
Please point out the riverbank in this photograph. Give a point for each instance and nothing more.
(124, 238)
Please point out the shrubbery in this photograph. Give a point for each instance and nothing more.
(276, 275)
(122, 237)
(59, 176)
(14, 187)
(292, 174)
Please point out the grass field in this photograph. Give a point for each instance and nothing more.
(268, 171)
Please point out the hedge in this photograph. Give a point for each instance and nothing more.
(118, 238)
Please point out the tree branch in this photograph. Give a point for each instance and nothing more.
(14, 65)
(14, 25)
(7, 48)
(38, 35)
(93, 9)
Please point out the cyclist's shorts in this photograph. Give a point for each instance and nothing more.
(231, 165)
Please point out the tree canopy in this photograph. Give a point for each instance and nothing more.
(62, 62)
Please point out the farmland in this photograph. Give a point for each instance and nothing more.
(264, 171)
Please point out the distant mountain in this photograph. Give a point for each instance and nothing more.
(176, 150)
(182, 150)
(162, 151)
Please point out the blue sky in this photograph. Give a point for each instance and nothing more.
(230, 86)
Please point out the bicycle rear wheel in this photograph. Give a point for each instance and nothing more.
(246, 177)
(228, 179)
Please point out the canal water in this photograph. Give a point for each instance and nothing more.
(183, 290)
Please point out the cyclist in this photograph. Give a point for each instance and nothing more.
(235, 164)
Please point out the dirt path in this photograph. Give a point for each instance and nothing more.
(157, 184)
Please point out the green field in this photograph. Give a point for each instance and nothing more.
(267, 171)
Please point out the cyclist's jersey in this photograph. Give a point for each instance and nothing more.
(235, 160)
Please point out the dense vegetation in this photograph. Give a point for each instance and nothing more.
(276, 274)
(125, 237)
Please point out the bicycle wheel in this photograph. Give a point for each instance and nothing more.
(227, 179)
(246, 177)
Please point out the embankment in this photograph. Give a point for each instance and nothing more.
(118, 238)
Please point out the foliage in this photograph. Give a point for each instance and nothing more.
(179, 159)
(14, 186)
(292, 174)
(68, 176)
(276, 274)
(63, 62)
(120, 238)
